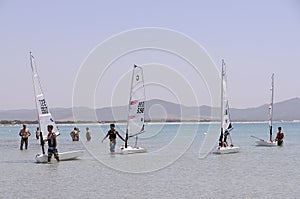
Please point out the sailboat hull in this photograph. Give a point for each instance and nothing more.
(130, 150)
(225, 150)
(265, 143)
(70, 155)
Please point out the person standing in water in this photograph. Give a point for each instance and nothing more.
(75, 134)
(279, 137)
(24, 133)
(88, 134)
(37, 133)
(112, 134)
(52, 144)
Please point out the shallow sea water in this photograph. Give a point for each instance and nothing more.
(254, 172)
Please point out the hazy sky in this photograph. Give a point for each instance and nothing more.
(256, 38)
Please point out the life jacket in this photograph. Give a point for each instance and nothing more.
(112, 135)
(51, 141)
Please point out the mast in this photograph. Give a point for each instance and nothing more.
(271, 107)
(222, 95)
(130, 97)
(35, 75)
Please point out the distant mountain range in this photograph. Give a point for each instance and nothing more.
(159, 110)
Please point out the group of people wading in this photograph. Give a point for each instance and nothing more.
(50, 139)
(111, 134)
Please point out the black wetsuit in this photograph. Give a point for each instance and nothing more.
(221, 140)
(225, 140)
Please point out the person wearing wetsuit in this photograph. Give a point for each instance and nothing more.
(112, 135)
(221, 143)
(37, 133)
(52, 144)
(225, 138)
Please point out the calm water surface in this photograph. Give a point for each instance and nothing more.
(255, 172)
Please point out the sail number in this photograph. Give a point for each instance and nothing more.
(44, 107)
(140, 108)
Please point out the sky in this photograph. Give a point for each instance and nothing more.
(256, 38)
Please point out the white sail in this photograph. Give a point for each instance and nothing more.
(226, 123)
(136, 116)
(44, 116)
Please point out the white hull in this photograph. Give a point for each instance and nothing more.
(69, 155)
(225, 150)
(265, 143)
(130, 150)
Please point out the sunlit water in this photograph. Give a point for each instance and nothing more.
(254, 172)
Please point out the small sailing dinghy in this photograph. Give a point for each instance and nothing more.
(225, 145)
(270, 142)
(69, 155)
(45, 118)
(136, 116)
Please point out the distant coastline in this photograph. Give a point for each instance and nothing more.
(288, 110)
